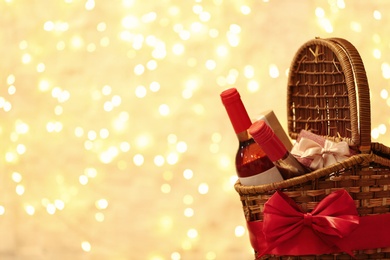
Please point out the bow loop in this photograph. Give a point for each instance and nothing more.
(334, 217)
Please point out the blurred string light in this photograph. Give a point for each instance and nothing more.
(73, 136)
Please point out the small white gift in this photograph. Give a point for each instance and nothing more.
(317, 152)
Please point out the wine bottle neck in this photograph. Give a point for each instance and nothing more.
(269, 142)
(243, 136)
(236, 110)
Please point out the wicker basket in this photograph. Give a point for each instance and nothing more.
(328, 94)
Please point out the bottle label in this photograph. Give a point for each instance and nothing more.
(268, 176)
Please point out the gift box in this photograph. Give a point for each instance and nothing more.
(316, 152)
(339, 211)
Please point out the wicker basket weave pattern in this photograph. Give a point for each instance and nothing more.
(328, 94)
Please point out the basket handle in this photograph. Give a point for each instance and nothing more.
(361, 91)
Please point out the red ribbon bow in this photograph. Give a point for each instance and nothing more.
(334, 218)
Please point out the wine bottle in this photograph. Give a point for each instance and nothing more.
(253, 167)
(271, 119)
(287, 164)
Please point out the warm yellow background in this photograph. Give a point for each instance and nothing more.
(114, 142)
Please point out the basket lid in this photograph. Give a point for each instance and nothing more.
(328, 93)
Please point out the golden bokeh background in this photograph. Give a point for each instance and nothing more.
(114, 142)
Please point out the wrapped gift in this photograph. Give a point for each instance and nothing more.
(316, 152)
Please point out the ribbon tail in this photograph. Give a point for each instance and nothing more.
(329, 159)
(263, 253)
(349, 252)
(317, 162)
(331, 242)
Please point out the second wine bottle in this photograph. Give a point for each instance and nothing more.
(288, 166)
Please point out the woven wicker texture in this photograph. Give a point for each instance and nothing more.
(328, 94)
